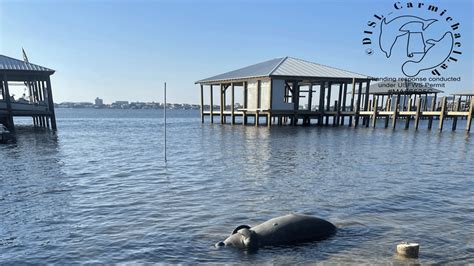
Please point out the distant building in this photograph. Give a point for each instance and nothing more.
(99, 102)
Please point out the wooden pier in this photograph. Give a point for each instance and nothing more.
(37, 102)
(272, 92)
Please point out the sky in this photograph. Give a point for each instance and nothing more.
(126, 50)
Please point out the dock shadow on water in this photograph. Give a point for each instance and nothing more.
(98, 190)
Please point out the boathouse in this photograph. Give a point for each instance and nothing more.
(273, 89)
(293, 91)
(36, 102)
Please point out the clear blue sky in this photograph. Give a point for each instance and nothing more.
(125, 50)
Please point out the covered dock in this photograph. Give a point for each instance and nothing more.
(36, 102)
(293, 91)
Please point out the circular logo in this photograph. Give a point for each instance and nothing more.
(422, 37)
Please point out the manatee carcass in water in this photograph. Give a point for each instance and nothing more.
(284, 230)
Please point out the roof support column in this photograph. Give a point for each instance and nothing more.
(359, 96)
(366, 104)
(344, 97)
(202, 103)
(6, 96)
(211, 103)
(321, 103)
(221, 109)
(328, 107)
(51, 104)
(339, 99)
(296, 102)
(232, 100)
(351, 107)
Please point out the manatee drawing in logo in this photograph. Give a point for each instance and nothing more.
(436, 54)
(390, 31)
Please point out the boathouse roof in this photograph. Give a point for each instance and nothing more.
(284, 67)
(12, 64)
(401, 87)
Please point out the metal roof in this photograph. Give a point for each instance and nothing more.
(403, 87)
(285, 66)
(12, 64)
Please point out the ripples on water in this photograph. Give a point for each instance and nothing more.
(98, 191)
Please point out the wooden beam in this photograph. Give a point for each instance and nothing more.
(388, 107)
(418, 113)
(443, 113)
(202, 103)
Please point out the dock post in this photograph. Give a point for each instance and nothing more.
(221, 109)
(418, 112)
(351, 107)
(374, 116)
(6, 95)
(455, 118)
(356, 119)
(339, 101)
(328, 107)
(202, 103)
(388, 107)
(344, 97)
(442, 114)
(232, 110)
(211, 104)
(408, 117)
(321, 103)
(336, 116)
(269, 119)
(469, 116)
(433, 108)
(244, 116)
(366, 103)
(395, 111)
(310, 97)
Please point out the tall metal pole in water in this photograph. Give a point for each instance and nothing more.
(164, 111)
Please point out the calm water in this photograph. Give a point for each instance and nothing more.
(98, 191)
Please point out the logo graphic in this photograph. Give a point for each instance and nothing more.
(431, 39)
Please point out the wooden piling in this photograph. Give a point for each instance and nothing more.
(221, 109)
(433, 108)
(232, 99)
(211, 104)
(418, 113)
(202, 103)
(408, 117)
(469, 116)
(455, 118)
(352, 101)
(356, 118)
(344, 97)
(328, 107)
(374, 115)
(338, 105)
(395, 111)
(321, 103)
(442, 114)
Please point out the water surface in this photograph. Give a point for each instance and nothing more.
(99, 191)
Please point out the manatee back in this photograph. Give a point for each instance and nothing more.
(293, 228)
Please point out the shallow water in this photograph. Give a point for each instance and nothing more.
(99, 191)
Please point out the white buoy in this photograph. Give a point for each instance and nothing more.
(408, 250)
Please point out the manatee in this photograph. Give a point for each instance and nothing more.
(283, 230)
